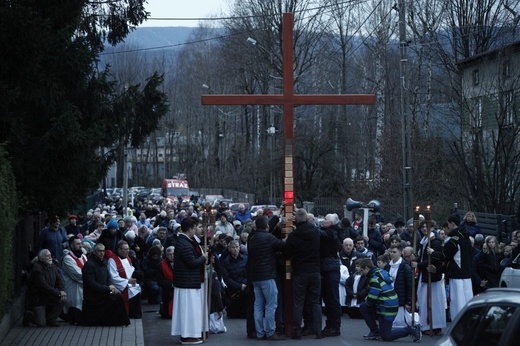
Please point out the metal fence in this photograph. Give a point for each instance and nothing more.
(326, 205)
(25, 242)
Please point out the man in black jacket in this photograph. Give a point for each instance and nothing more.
(330, 274)
(457, 253)
(303, 248)
(261, 249)
(102, 302)
(188, 297)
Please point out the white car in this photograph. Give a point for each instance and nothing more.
(511, 275)
(490, 318)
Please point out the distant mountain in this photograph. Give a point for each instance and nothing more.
(149, 37)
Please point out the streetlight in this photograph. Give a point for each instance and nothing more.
(271, 130)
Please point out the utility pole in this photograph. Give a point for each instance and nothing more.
(406, 130)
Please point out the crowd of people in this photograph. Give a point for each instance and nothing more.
(98, 268)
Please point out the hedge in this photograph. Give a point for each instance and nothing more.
(8, 212)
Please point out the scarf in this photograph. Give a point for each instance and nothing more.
(394, 267)
(424, 240)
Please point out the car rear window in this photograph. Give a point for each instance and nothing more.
(483, 325)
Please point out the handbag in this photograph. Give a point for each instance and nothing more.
(404, 318)
(216, 323)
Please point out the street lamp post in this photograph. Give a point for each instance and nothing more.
(271, 130)
(125, 181)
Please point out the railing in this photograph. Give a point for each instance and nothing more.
(501, 226)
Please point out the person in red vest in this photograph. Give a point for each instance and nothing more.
(71, 266)
(165, 280)
(121, 272)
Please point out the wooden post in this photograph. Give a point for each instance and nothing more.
(428, 218)
(416, 222)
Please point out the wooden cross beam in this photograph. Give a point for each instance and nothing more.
(288, 100)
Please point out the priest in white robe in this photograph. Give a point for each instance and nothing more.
(121, 272)
(71, 265)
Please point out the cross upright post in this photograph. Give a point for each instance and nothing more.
(288, 100)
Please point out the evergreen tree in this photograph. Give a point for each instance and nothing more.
(57, 108)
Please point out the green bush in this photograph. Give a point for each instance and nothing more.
(8, 211)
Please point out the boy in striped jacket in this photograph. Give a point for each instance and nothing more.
(381, 306)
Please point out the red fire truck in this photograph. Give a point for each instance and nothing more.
(171, 189)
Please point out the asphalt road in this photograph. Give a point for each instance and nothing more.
(157, 332)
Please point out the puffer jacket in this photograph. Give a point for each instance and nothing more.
(187, 263)
(403, 283)
(261, 250)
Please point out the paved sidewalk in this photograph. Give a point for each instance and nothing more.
(75, 335)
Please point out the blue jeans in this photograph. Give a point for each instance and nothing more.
(384, 330)
(266, 295)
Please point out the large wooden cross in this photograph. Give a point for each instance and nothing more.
(288, 100)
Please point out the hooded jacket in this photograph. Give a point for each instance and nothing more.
(381, 293)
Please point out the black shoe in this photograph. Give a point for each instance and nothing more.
(280, 330)
(275, 337)
(251, 336)
(28, 317)
(415, 332)
(191, 341)
(53, 324)
(307, 332)
(319, 335)
(372, 336)
(331, 332)
(297, 335)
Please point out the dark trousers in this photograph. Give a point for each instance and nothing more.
(135, 307)
(279, 314)
(330, 294)
(44, 314)
(384, 329)
(306, 292)
(250, 314)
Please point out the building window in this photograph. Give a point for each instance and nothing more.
(506, 72)
(508, 108)
(475, 77)
(477, 113)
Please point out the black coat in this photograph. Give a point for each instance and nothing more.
(188, 264)
(234, 271)
(489, 267)
(375, 242)
(303, 247)
(329, 243)
(403, 283)
(422, 264)
(100, 308)
(349, 260)
(362, 289)
(457, 253)
(110, 240)
(261, 250)
(44, 285)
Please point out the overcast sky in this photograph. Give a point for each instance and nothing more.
(183, 9)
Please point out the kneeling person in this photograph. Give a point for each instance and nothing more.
(381, 306)
(102, 302)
